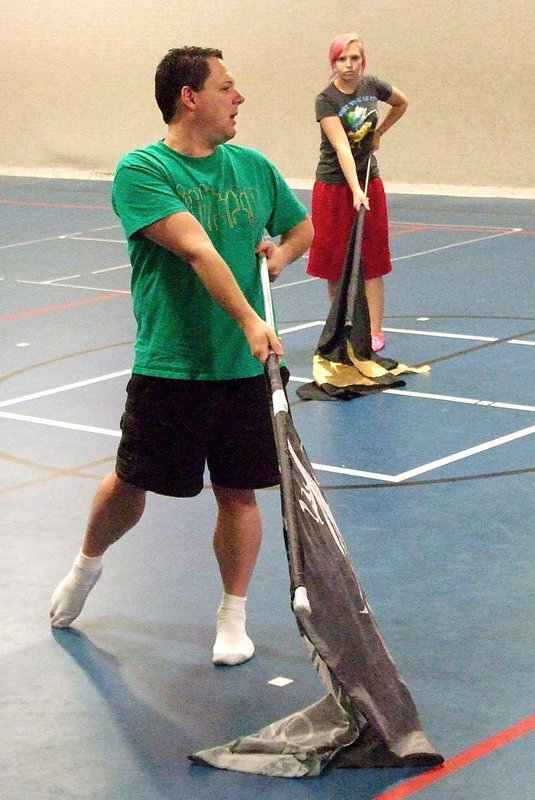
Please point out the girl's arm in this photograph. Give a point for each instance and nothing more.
(398, 103)
(334, 130)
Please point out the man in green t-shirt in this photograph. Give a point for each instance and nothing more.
(194, 209)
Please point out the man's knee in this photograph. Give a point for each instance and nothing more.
(234, 499)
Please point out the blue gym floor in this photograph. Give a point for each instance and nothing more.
(431, 486)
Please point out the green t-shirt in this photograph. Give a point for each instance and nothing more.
(235, 193)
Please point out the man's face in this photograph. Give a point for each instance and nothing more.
(217, 104)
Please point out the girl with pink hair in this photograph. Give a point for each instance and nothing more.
(350, 134)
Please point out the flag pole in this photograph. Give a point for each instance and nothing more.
(353, 284)
(300, 602)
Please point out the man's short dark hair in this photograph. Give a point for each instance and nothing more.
(182, 66)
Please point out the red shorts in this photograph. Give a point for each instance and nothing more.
(333, 215)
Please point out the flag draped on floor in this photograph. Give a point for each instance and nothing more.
(344, 365)
(368, 717)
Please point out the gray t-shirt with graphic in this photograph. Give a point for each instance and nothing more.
(358, 114)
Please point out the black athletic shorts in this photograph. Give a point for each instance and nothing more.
(171, 429)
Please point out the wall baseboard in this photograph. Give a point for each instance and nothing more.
(55, 172)
(517, 193)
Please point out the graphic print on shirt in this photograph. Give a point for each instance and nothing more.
(218, 211)
(359, 120)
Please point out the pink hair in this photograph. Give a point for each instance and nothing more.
(339, 43)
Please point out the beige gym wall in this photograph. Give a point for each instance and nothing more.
(77, 82)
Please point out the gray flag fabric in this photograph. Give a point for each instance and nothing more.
(368, 717)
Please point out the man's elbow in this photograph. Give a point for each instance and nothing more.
(307, 232)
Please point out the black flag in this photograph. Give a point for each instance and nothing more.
(368, 717)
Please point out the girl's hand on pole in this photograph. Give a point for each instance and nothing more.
(360, 199)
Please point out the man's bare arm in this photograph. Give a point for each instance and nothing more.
(293, 243)
(183, 235)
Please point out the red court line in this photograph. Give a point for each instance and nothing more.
(411, 229)
(478, 750)
(61, 306)
(53, 205)
(436, 226)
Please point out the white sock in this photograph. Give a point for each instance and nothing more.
(70, 595)
(232, 645)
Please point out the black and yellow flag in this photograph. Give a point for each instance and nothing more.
(344, 364)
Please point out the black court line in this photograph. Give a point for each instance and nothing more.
(57, 359)
(51, 473)
(429, 481)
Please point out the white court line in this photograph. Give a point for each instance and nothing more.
(480, 448)
(510, 406)
(38, 241)
(468, 400)
(507, 232)
(96, 239)
(109, 269)
(441, 335)
(456, 336)
(75, 235)
(458, 244)
(432, 465)
(69, 277)
(77, 286)
(58, 424)
(293, 378)
(62, 278)
(413, 332)
(448, 398)
(92, 288)
(356, 473)
(275, 287)
(67, 387)
(399, 478)
(303, 326)
(402, 476)
(438, 334)
(323, 467)
(293, 283)
(469, 337)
